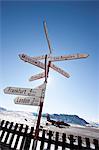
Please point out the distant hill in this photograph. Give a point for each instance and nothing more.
(2, 109)
(72, 119)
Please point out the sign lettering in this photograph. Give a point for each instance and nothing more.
(32, 61)
(37, 76)
(23, 91)
(69, 57)
(59, 70)
(27, 101)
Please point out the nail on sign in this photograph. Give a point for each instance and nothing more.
(35, 101)
(23, 91)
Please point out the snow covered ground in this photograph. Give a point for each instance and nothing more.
(30, 120)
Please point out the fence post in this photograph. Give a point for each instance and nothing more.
(24, 138)
(71, 142)
(18, 136)
(87, 142)
(79, 142)
(6, 124)
(49, 140)
(96, 144)
(28, 139)
(42, 140)
(13, 134)
(63, 141)
(1, 124)
(6, 138)
(56, 140)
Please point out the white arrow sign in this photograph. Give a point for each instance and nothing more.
(35, 101)
(23, 91)
(37, 76)
(40, 57)
(59, 70)
(42, 65)
(32, 61)
(69, 57)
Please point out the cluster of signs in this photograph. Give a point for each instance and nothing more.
(28, 96)
(35, 96)
(35, 61)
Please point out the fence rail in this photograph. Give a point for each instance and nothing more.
(14, 136)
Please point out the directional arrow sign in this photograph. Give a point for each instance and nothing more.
(37, 76)
(69, 57)
(35, 101)
(23, 91)
(59, 70)
(40, 57)
(32, 61)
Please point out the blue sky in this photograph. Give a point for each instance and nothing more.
(73, 28)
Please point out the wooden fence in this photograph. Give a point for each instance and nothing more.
(14, 136)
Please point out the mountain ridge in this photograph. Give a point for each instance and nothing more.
(71, 119)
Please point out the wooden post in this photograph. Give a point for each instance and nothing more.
(71, 142)
(12, 137)
(17, 140)
(49, 140)
(42, 140)
(95, 141)
(28, 138)
(63, 141)
(38, 121)
(46, 68)
(37, 127)
(87, 143)
(40, 111)
(79, 142)
(56, 140)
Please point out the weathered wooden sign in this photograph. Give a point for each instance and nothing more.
(36, 96)
(59, 70)
(37, 76)
(41, 57)
(23, 91)
(69, 57)
(35, 101)
(32, 61)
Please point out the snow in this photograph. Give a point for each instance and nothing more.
(27, 118)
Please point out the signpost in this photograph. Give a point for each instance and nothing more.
(59, 70)
(32, 61)
(37, 76)
(35, 101)
(41, 57)
(23, 91)
(36, 96)
(46, 34)
(69, 57)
